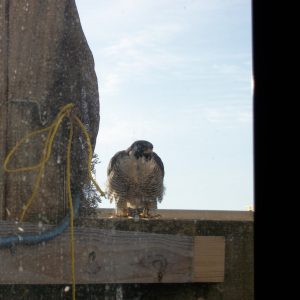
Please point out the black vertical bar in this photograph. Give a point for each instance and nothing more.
(265, 86)
(267, 139)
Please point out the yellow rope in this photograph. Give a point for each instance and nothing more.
(65, 111)
(48, 144)
(71, 209)
(90, 155)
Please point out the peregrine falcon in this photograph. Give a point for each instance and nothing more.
(135, 180)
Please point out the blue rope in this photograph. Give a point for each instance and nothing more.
(32, 239)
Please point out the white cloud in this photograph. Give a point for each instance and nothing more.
(130, 39)
(226, 68)
(135, 55)
(228, 115)
(123, 131)
(109, 84)
(117, 133)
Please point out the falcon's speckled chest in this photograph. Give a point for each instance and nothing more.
(137, 170)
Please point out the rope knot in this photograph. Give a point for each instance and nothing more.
(67, 111)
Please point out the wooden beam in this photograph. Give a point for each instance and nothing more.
(3, 97)
(111, 256)
(45, 63)
(209, 258)
(183, 214)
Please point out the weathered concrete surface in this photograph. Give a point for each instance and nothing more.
(45, 63)
(239, 266)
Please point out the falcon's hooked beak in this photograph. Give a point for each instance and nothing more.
(147, 153)
(148, 150)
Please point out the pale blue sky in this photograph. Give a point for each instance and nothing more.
(177, 73)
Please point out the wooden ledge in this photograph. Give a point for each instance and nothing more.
(180, 247)
(113, 256)
(209, 215)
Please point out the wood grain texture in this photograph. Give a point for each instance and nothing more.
(239, 264)
(209, 259)
(3, 97)
(45, 63)
(183, 214)
(113, 256)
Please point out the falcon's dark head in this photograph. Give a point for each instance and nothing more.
(141, 149)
